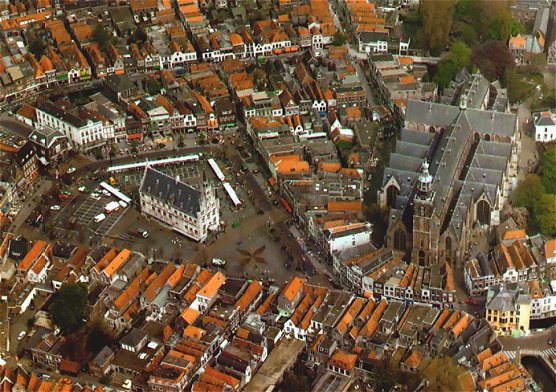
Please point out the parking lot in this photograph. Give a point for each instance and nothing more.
(84, 208)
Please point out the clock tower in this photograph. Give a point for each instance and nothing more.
(423, 208)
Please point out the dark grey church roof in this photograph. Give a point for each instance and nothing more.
(170, 190)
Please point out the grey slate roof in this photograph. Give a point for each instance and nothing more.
(169, 190)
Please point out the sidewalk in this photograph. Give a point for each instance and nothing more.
(30, 205)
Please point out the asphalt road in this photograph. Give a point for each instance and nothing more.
(534, 341)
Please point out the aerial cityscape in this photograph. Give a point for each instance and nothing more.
(277, 195)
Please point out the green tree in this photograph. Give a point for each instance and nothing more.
(153, 87)
(140, 34)
(69, 307)
(458, 57)
(437, 22)
(339, 38)
(527, 192)
(549, 169)
(37, 47)
(101, 36)
(503, 25)
(545, 214)
(181, 141)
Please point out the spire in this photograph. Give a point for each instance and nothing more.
(424, 182)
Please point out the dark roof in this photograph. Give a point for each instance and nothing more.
(18, 248)
(60, 113)
(371, 36)
(24, 154)
(172, 191)
(119, 83)
(63, 251)
(134, 337)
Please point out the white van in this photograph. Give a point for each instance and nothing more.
(111, 207)
(122, 204)
(99, 218)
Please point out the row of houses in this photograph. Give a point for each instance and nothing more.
(201, 329)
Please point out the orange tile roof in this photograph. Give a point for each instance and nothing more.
(349, 315)
(249, 296)
(293, 287)
(404, 60)
(83, 31)
(194, 332)
(329, 167)
(117, 262)
(176, 276)
(517, 42)
(493, 361)
(414, 360)
(343, 360)
(39, 265)
(344, 206)
(131, 291)
(407, 79)
(514, 234)
(154, 288)
(227, 379)
(262, 309)
(210, 289)
(190, 315)
(32, 255)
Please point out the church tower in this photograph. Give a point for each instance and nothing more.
(423, 209)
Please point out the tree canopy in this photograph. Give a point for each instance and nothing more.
(458, 57)
(69, 307)
(37, 47)
(493, 59)
(101, 36)
(527, 192)
(443, 375)
(545, 214)
(339, 38)
(437, 22)
(549, 169)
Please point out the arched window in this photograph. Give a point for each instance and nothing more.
(483, 212)
(399, 240)
(391, 194)
(432, 130)
(421, 257)
(477, 136)
(487, 137)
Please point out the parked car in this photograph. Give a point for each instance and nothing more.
(64, 195)
(95, 196)
(83, 189)
(70, 170)
(21, 335)
(55, 207)
(218, 262)
(99, 218)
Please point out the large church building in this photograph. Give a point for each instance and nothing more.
(451, 171)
